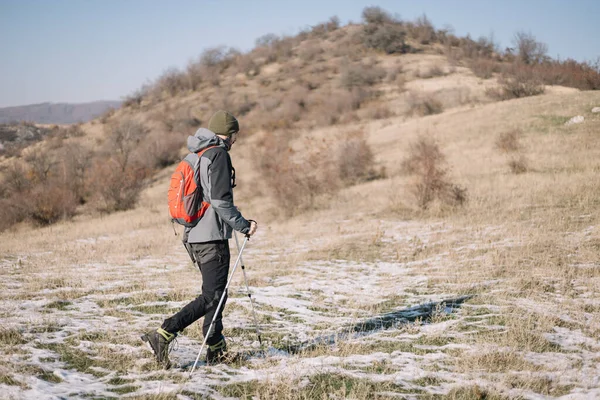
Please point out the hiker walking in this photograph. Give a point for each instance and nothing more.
(208, 241)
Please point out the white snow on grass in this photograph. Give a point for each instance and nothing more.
(79, 337)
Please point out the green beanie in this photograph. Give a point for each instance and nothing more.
(223, 123)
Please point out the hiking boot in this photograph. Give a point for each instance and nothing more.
(216, 352)
(159, 341)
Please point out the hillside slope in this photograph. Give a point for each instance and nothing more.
(78, 293)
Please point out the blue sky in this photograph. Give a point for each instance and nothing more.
(85, 50)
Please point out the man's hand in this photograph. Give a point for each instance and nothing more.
(253, 227)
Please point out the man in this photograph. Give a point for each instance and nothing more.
(208, 241)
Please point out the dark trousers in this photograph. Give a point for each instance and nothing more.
(213, 260)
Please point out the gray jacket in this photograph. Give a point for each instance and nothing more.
(216, 174)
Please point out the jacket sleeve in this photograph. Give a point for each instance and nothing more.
(221, 193)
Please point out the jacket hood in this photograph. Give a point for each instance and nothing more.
(204, 138)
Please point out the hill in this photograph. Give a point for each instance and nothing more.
(56, 113)
(446, 247)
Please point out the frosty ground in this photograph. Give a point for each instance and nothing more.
(74, 332)
(76, 295)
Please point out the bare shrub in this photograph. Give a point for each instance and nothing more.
(49, 203)
(428, 165)
(247, 65)
(509, 144)
(357, 75)
(75, 164)
(135, 99)
(161, 149)
(122, 139)
(422, 30)
(15, 177)
(296, 179)
(219, 58)
(383, 32)
(432, 72)
(172, 82)
(423, 104)
(117, 189)
(355, 159)
(377, 15)
(380, 111)
(517, 80)
(518, 164)
(330, 107)
(11, 212)
(176, 119)
(529, 50)
(584, 76)
(484, 68)
(274, 48)
(40, 163)
(210, 65)
(394, 73)
(310, 51)
(321, 30)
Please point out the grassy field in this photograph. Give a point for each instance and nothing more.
(76, 295)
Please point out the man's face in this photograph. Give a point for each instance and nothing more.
(232, 138)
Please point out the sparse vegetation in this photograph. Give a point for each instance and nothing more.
(509, 144)
(76, 294)
(422, 104)
(427, 163)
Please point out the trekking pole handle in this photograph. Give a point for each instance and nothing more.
(251, 221)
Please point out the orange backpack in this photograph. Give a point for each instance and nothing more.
(185, 191)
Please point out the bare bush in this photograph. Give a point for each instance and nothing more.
(75, 164)
(329, 108)
(274, 48)
(49, 203)
(518, 82)
(422, 30)
(299, 179)
(584, 76)
(122, 139)
(15, 177)
(518, 164)
(161, 149)
(321, 30)
(423, 104)
(529, 50)
(136, 98)
(40, 163)
(484, 68)
(394, 73)
(383, 32)
(432, 72)
(11, 211)
(509, 144)
(296, 179)
(428, 165)
(172, 82)
(377, 15)
(355, 159)
(357, 75)
(310, 51)
(116, 189)
(247, 65)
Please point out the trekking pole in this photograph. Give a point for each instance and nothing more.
(237, 243)
(219, 306)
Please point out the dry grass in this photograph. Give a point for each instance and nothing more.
(526, 244)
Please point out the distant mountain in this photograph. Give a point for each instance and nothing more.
(56, 113)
